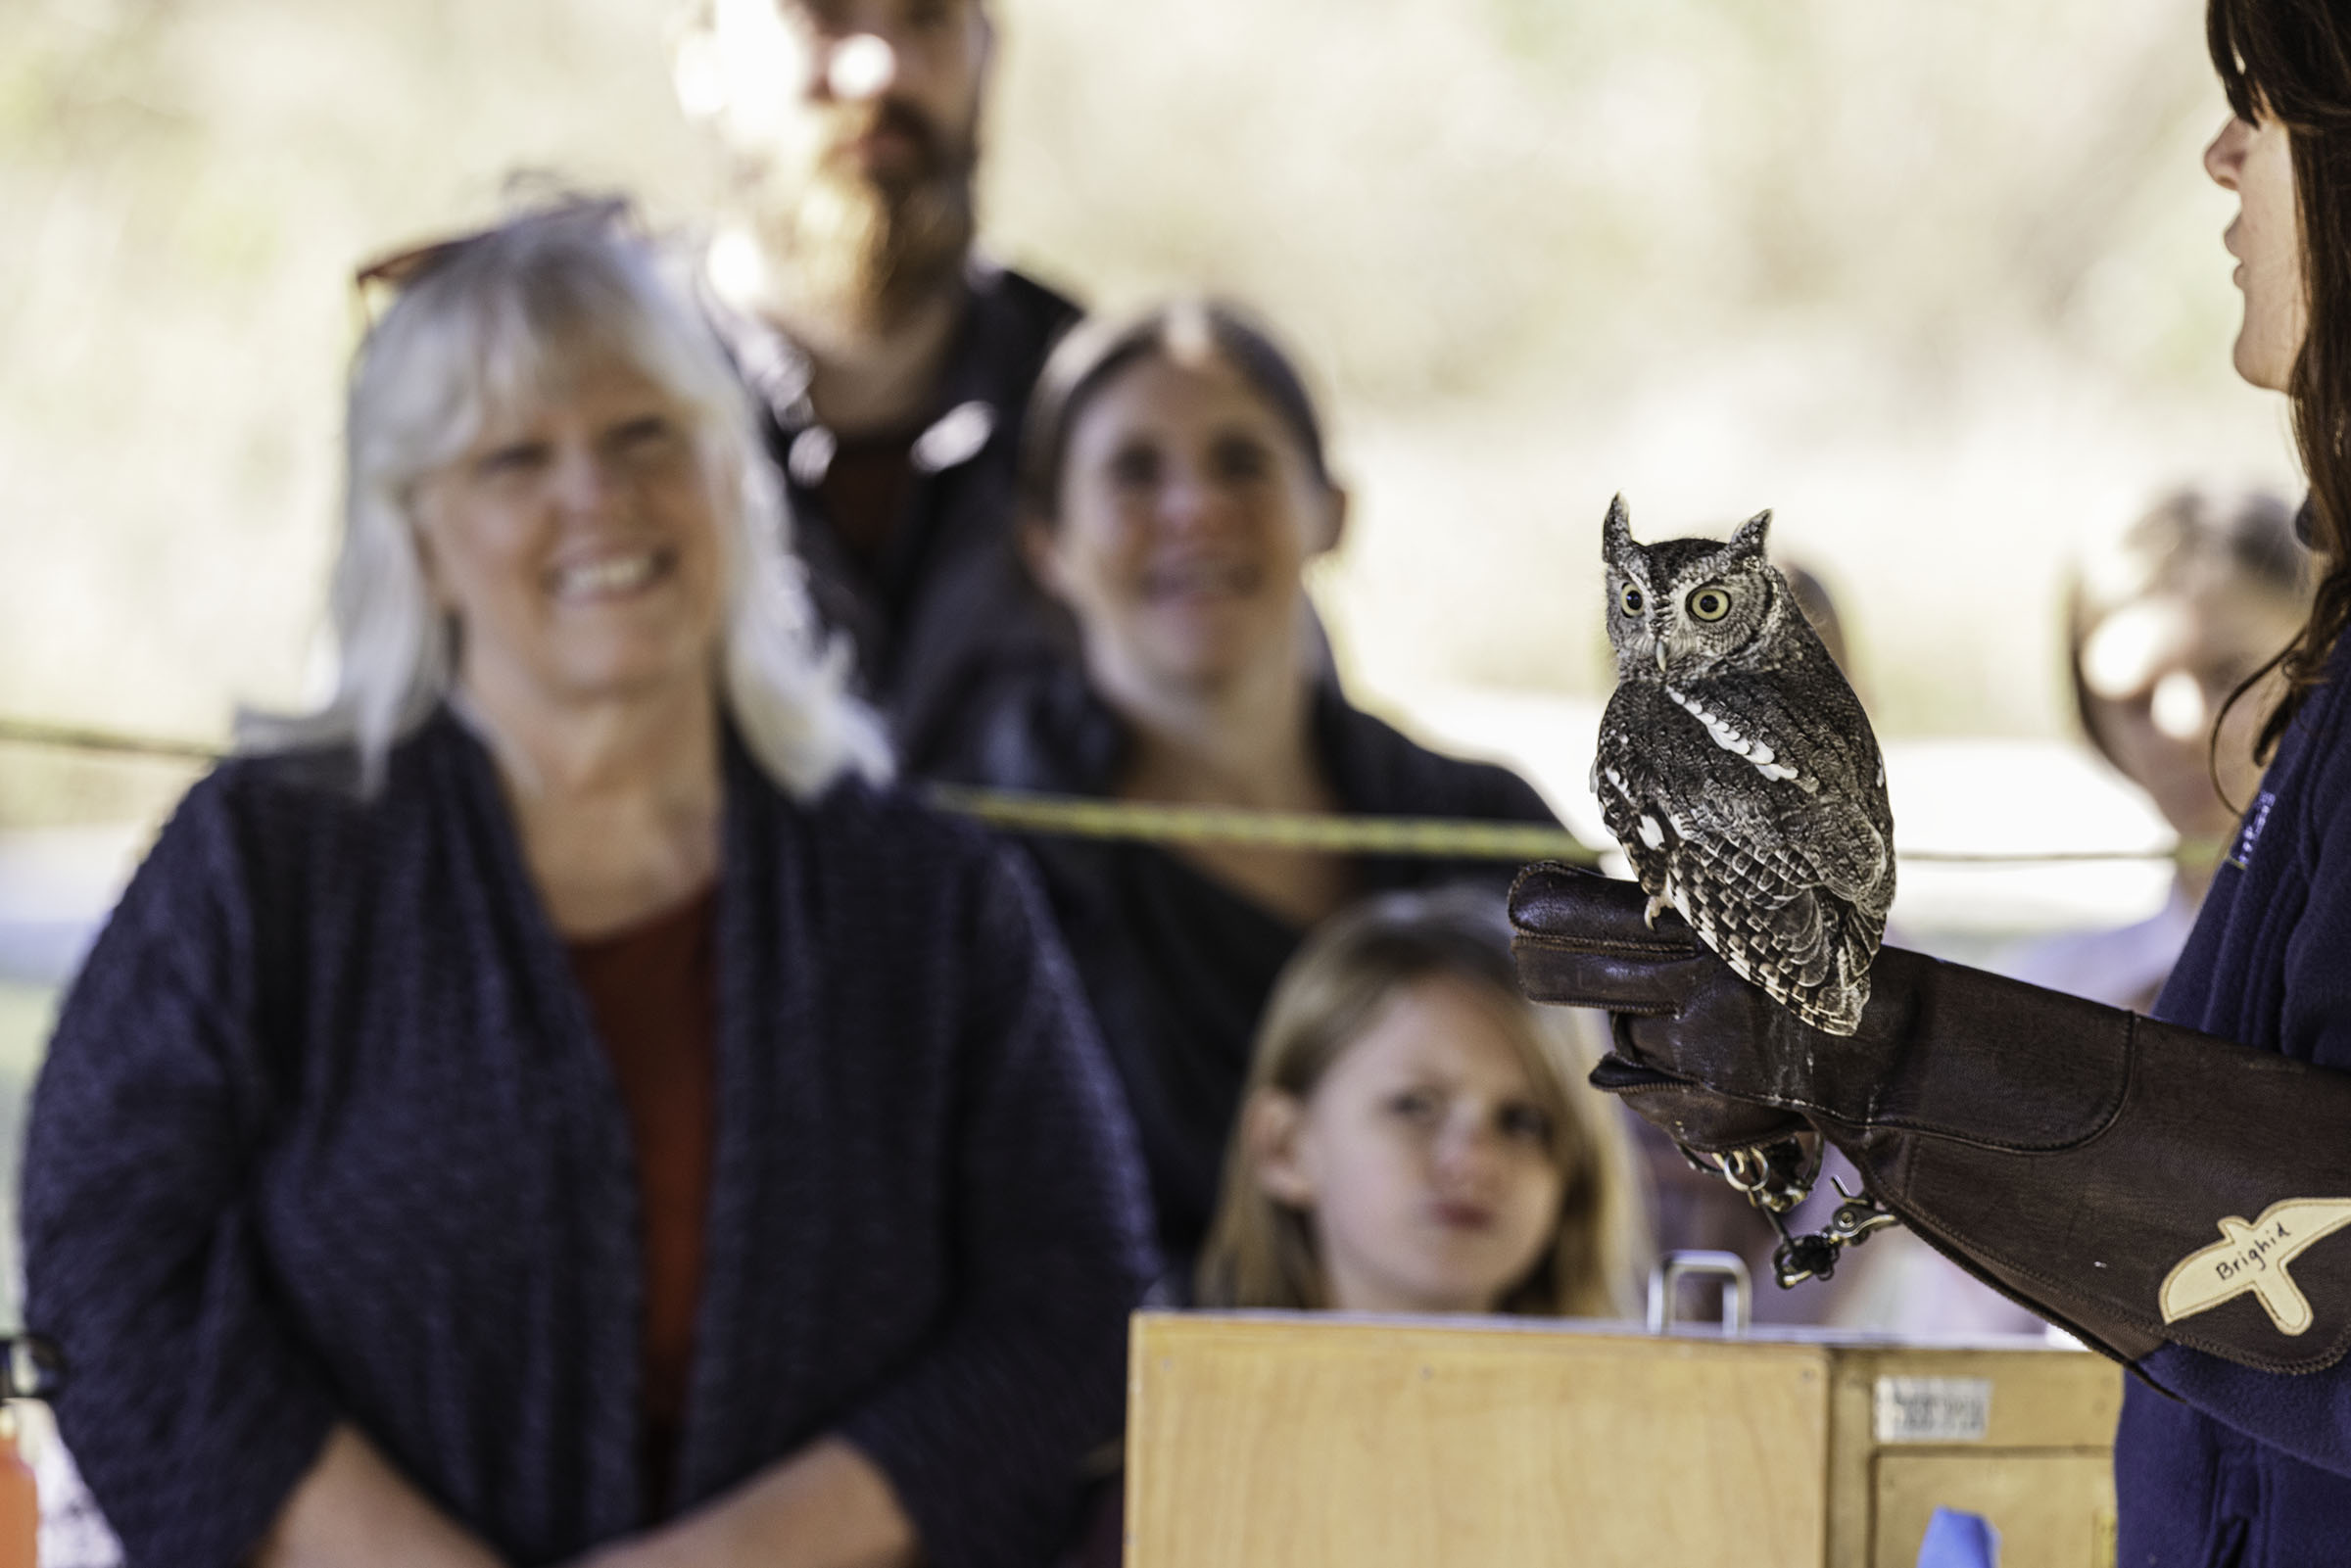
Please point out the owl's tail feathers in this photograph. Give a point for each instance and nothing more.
(1828, 995)
(1813, 959)
(1835, 1007)
(1832, 1010)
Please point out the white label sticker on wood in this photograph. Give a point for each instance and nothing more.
(1934, 1409)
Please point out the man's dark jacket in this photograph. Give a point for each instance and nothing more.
(325, 1135)
(948, 615)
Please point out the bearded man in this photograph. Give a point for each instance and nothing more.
(893, 361)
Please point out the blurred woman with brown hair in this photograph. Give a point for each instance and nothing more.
(1173, 492)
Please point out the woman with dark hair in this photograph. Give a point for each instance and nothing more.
(1174, 488)
(2175, 1190)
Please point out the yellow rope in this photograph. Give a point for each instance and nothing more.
(1091, 816)
(66, 737)
(1088, 816)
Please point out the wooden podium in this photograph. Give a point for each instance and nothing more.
(1310, 1441)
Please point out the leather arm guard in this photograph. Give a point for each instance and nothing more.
(2135, 1182)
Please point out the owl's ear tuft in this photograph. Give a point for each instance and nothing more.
(1751, 533)
(1616, 532)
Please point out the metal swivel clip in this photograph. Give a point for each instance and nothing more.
(1778, 1175)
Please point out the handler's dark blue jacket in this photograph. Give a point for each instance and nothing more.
(325, 1135)
(2253, 1469)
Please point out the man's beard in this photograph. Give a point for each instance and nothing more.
(854, 256)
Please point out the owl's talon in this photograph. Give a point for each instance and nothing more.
(1657, 906)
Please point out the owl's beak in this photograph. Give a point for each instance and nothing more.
(1660, 646)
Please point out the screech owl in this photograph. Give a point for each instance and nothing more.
(1738, 771)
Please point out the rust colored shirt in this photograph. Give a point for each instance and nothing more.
(865, 492)
(653, 991)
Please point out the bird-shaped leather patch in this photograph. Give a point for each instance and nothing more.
(2254, 1258)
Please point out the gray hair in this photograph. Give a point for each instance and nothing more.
(496, 320)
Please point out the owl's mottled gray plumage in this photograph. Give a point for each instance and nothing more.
(1738, 771)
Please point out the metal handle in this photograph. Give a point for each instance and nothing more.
(1671, 1269)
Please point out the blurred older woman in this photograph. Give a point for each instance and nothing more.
(558, 1088)
(1174, 490)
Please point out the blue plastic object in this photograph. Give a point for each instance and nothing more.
(1956, 1539)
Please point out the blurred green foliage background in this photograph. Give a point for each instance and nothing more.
(1942, 284)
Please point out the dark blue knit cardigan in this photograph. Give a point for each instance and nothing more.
(324, 1134)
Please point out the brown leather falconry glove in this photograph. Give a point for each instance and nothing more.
(2135, 1182)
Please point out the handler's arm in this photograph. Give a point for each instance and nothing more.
(2180, 1201)
(2309, 1417)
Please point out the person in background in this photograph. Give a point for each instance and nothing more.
(1174, 488)
(2163, 624)
(1417, 1137)
(556, 1104)
(1820, 612)
(891, 358)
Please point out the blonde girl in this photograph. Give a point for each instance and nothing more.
(1417, 1137)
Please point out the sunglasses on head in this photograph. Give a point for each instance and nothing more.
(380, 282)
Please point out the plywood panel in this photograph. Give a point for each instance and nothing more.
(2052, 1509)
(1317, 1442)
(2062, 1401)
(2043, 1398)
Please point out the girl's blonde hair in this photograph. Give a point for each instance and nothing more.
(1261, 1253)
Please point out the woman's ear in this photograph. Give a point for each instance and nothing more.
(1334, 528)
(1271, 1125)
(1041, 552)
(428, 563)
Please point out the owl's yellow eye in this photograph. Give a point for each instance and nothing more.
(1632, 601)
(1710, 605)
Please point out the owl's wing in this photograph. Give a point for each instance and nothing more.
(1792, 780)
(1631, 789)
(1755, 805)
